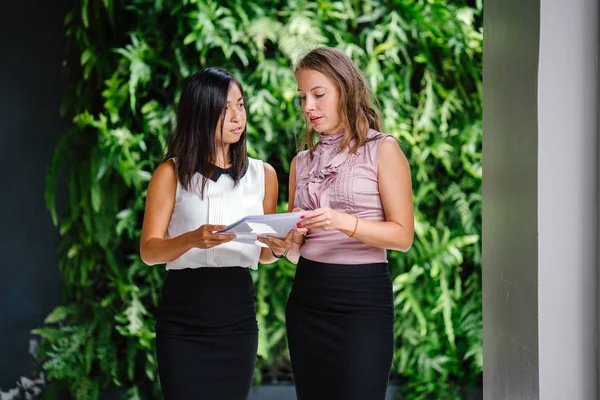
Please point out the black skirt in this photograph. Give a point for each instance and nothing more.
(207, 334)
(340, 329)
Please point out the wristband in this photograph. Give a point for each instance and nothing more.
(355, 226)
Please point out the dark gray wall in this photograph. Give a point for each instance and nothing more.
(510, 211)
(31, 87)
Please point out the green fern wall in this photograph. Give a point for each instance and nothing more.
(423, 60)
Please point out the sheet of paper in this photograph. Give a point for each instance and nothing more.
(261, 228)
(251, 227)
(248, 238)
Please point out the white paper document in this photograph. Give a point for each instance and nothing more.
(249, 228)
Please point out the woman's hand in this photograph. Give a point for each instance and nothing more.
(205, 236)
(278, 246)
(326, 219)
(299, 233)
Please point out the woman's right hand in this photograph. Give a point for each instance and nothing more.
(299, 233)
(206, 237)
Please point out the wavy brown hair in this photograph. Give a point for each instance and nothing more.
(356, 107)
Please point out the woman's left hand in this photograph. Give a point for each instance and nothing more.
(278, 246)
(324, 218)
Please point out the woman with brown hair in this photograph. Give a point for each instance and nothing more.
(355, 186)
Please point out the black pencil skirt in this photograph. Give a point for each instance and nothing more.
(340, 329)
(207, 334)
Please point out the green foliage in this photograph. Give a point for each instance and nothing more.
(423, 61)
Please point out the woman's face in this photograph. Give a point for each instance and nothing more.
(233, 119)
(320, 99)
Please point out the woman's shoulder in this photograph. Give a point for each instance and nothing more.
(166, 169)
(376, 139)
(164, 178)
(254, 163)
(376, 136)
(301, 158)
(260, 167)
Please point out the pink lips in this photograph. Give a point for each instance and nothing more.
(315, 121)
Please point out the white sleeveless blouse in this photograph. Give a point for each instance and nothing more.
(223, 204)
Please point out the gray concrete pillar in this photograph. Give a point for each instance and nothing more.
(540, 156)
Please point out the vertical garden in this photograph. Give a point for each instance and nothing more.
(423, 60)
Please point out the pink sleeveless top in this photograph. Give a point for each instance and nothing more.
(345, 182)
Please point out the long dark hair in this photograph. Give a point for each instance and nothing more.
(356, 106)
(192, 144)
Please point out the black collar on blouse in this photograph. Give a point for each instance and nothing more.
(227, 171)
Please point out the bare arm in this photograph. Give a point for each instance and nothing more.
(294, 253)
(395, 189)
(160, 202)
(276, 245)
(269, 206)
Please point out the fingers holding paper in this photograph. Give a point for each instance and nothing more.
(206, 237)
(279, 246)
(299, 232)
(322, 218)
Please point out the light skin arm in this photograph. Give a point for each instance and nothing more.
(395, 189)
(294, 253)
(276, 245)
(160, 202)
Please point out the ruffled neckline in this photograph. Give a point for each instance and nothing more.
(327, 157)
(323, 168)
(330, 140)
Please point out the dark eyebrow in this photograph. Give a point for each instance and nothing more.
(316, 87)
(238, 100)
